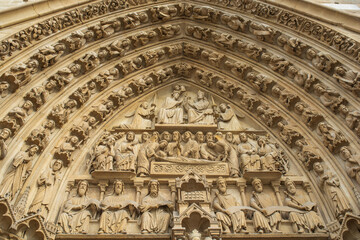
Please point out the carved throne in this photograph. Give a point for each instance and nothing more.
(193, 204)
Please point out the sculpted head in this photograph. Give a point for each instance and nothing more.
(33, 150)
(176, 136)
(156, 136)
(153, 187)
(200, 95)
(290, 186)
(82, 187)
(130, 136)
(5, 133)
(222, 107)
(200, 138)
(243, 137)
(257, 185)
(145, 136)
(318, 167)
(221, 185)
(229, 137)
(163, 144)
(187, 136)
(345, 152)
(118, 187)
(166, 136)
(209, 137)
(57, 165)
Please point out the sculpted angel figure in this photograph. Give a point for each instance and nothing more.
(155, 209)
(226, 212)
(227, 119)
(78, 211)
(117, 210)
(143, 116)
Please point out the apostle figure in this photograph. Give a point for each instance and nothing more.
(117, 210)
(248, 154)
(4, 135)
(190, 147)
(48, 182)
(174, 149)
(265, 220)
(227, 118)
(267, 155)
(78, 211)
(226, 212)
(172, 111)
(126, 153)
(104, 154)
(330, 184)
(198, 110)
(155, 209)
(309, 219)
(21, 169)
(143, 116)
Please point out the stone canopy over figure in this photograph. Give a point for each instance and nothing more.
(228, 211)
(78, 211)
(155, 211)
(117, 210)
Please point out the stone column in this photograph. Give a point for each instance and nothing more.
(242, 186)
(276, 186)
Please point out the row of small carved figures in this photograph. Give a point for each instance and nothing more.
(119, 151)
(154, 211)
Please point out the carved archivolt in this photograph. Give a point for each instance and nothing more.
(195, 114)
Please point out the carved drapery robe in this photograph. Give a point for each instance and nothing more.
(191, 149)
(115, 214)
(125, 155)
(171, 112)
(47, 183)
(76, 216)
(236, 219)
(308, 220)
(15, 179)
(146, 152)
(157, 216)
(200, 113)
(228, 120)
(248, 158)
(143, 118)
(263, 200)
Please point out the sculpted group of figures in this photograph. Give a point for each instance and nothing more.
(179, 108)
(154, 212)
(242, 154)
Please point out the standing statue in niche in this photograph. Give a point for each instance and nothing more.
(265, 220)
(330, 184)
(78, 211)
(227, 118)
(48, 182)
(226, 212)
(309, 219)
(172, 111)
(117, 210)
(155, 209)
(198, 110)
(143, 116)
(21, 170)
(126, 153)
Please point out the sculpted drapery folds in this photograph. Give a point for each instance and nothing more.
(199, 111)
(126, 153)
(172, 111)
(48, 181)
(104, 155)
(248, 154)
(117, 210)
(155, 209)
(330, 184)
(226, 212)
(265, 221)
(78, 211)
(21, 169)
(309, 220)
(227, 118)
(143, 116)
